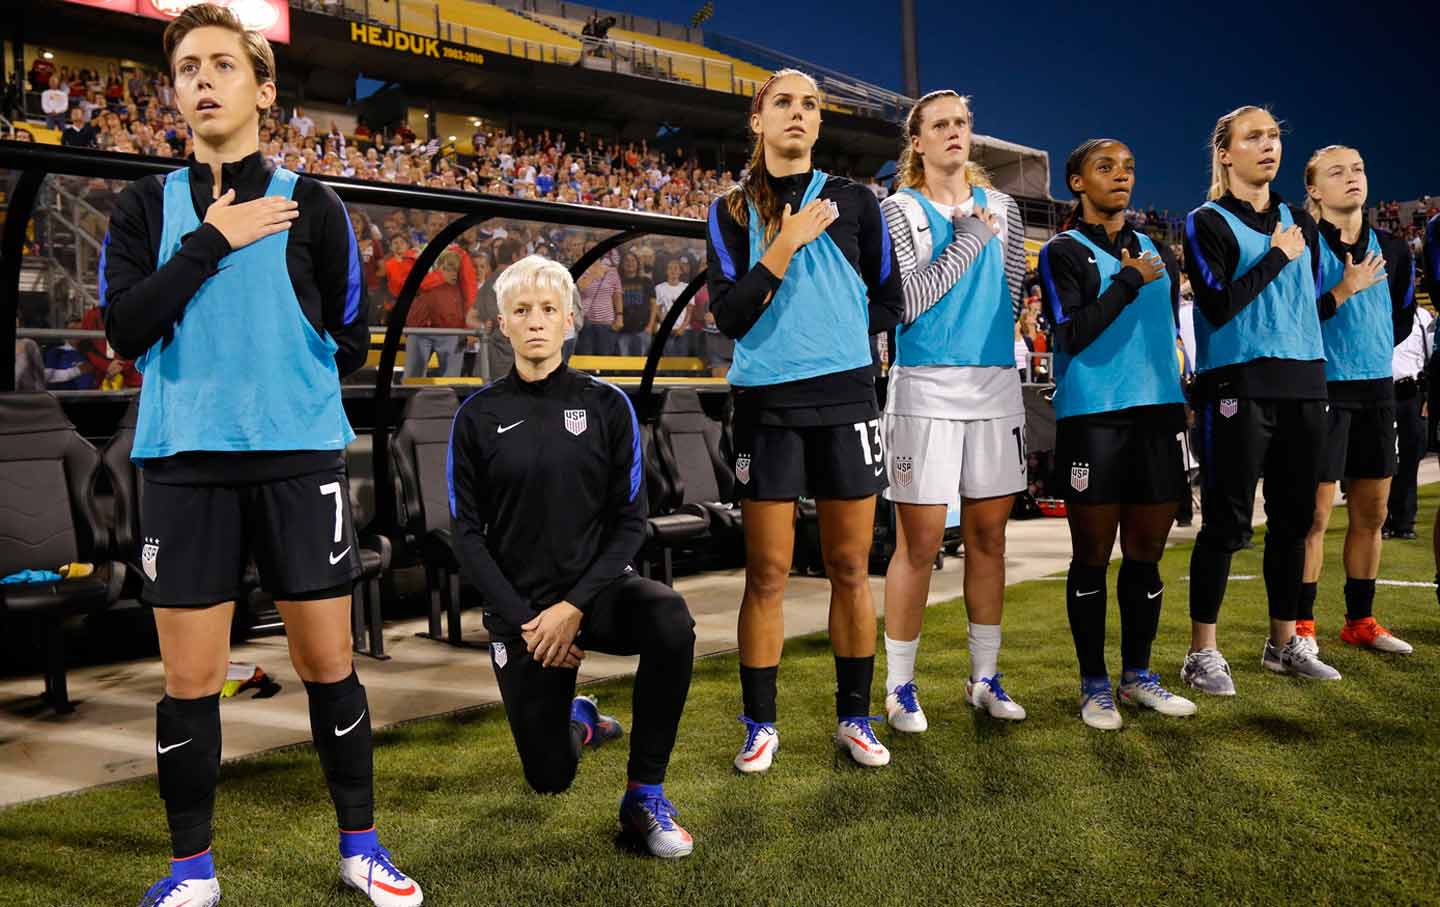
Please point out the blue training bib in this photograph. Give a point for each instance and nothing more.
(245, 370)
(1280, 323)
(974, 322)
(1360, 336)
(1133, 362)
(817, 322)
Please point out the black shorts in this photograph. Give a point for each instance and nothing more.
(778, 457)
(1120, 458)
(1361, 443)
(198, 539)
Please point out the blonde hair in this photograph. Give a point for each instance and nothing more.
(1312, 207)
(535, 272)
(754, 188)
(1220, 140)
(910, 169)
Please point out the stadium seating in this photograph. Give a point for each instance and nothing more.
(687, 446)
(418, 451)
(366, 615)
(44, 464)
(492, 28)
(125, 485)
(666, 528)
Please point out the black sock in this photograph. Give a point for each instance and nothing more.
(1209, 574)
(1140, 592)
(1284, 572)
(1085, 606)
(853, 677)
(1359, 598)
(1306, 610)
(187, 747)
(757, 688)
(340, 725)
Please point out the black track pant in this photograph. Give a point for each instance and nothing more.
(1411, 430)
(632, 616)
(1242, 439)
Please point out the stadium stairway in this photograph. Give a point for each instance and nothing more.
(111, 735)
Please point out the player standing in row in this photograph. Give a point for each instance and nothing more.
(801, 273)
(954, 415)
(1115, 299)
(1260, 392)
(1363, 317)
(236, 285)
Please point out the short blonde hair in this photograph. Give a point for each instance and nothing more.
(534, 272)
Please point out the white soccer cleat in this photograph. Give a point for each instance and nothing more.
(1145, 691)
(762, 741)
(375, 876)
(1097, 708)
(987, 694)
(651, 817)
(170, 892)
(854, 736)
(903, 712)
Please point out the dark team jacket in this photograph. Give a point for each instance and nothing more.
(739, 288)
(1210, 239)
(143, 303)
(547, 493)
(1400, 275)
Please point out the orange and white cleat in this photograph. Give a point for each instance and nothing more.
(1367, 634)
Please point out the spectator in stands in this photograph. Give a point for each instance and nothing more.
(21, 134)
(372, 261)
(55, 101)
(602, 302)
(666, 294)
(438, 304)
(397, 267)
(40, 72)
(637, 308)
(301, 123)
(114, 89)
(29, 364)
(78, 133)
(1035, 342)
(66, 368)
(111, 372)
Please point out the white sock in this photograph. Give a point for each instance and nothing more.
(899, 662)
(984, 650)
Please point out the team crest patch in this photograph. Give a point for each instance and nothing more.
(1080, 476)
(904, 470)
(497, 651)
(148, 554)
(742, 469)
(1229, 407)
(575, 421)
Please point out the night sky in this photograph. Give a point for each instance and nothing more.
(1051, 74)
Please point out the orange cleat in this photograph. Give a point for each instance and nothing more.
(1367, 634)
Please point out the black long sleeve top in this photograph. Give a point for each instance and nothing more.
(547, 493)
(1212, 254)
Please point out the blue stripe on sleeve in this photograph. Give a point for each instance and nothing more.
(1048, 279)
(637, 464)
(1194, 252)
(885, 253)
(104, 254)
(727, 266)
(352, 274)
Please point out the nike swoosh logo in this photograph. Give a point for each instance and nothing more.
(1156, 594)
(1091, 592)
(340, 733)
(162, 750)
(1091, 259)
(880, 470)
(504, 428)
(335, 558)
(858, 742)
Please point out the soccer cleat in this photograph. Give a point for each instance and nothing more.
(172, 892)
(986, 693)
(854, 736)
(373, 874)
(762, 742)
(903, 712)
(602, 728)
(1097, 706)
(1367, 634)
(1294, 658)
(648, 815)
(1145, 691)
(1207, 671)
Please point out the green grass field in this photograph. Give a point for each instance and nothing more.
(1290, 792)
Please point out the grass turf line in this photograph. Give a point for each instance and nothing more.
(1292, 791)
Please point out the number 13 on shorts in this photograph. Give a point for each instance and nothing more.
(872, 444)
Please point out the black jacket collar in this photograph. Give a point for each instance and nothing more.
(249, 177)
